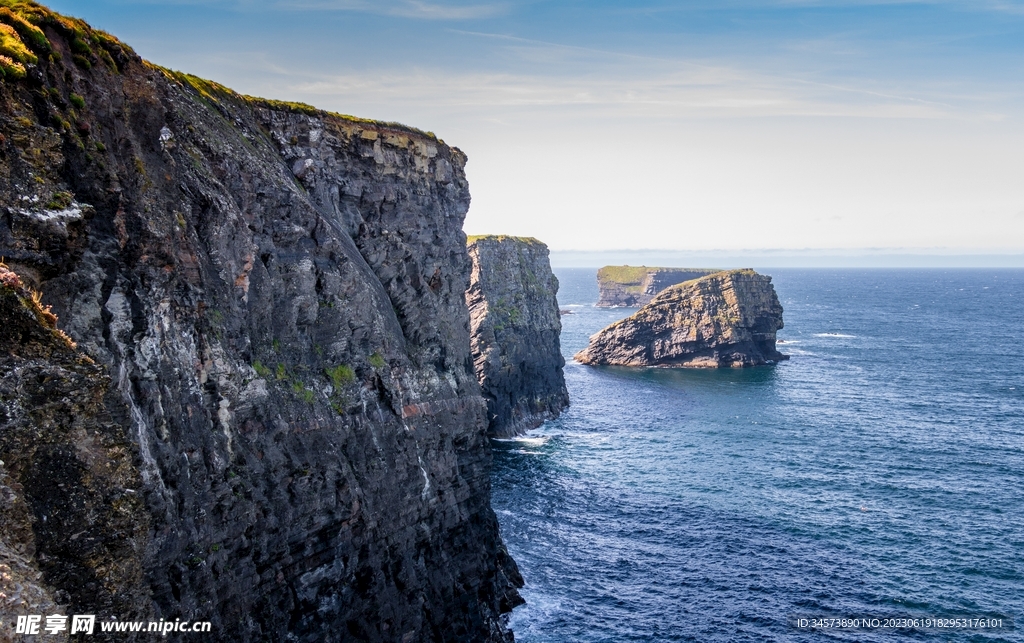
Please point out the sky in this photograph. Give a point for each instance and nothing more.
(654, 124)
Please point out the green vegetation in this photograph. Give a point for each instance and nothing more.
(208, 89)
(14, 55)
(216, 92)
(260, 369)
(22, 38)
(12, 46)
(280, 372)
(504, 313)
(626, 275)
(277, 345)
(309, 110)
(377, 361)
(30, 34)
(10, 69)
(341, 375)
(60, 200)
(77, 100)
(306, 394)
(473, 238)
(634, 275)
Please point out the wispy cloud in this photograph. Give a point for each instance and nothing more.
(402, 8)
(698, 91)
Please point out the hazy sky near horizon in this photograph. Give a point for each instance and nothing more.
(657, 124)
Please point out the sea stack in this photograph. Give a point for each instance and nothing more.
(636, 286)
(515, 327)
(727, 318)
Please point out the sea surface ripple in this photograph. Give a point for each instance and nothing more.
(880, 471)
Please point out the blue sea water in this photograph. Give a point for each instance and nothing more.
(879, 471)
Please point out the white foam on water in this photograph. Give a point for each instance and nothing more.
(840, 335)
(526, 441)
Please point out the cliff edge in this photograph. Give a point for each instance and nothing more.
(728, 318)
(636, 286)
(515, 327)
(274, 298)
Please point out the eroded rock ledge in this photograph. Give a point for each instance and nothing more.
(515, 327)
(728, 318)
(636, 286)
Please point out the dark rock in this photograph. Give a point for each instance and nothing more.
(636, 286)
(515, 332)
(71, 495)
(728, 318)
(277, 298)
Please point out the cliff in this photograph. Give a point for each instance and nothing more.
(728, 318)
(636, 286)
(274, 301)
(515, 328)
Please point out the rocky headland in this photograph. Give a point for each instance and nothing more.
(271, 419)
(636, 286)
(727, 318)
(515, 327)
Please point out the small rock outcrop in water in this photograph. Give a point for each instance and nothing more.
(638, 285)
(280, 430)
(515, 332)
(728, 318)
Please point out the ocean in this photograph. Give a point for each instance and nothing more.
(878, 473)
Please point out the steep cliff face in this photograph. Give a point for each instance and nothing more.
(728, 318)
(638, 285)
(515, 332)
(277, 296)
(71, 497)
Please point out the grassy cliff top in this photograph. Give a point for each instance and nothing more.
(623, 274)
(501, 238)
(214, 91)
(634, 275)
(23, 42)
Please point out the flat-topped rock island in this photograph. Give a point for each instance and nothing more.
(637, 285)
(727, 318)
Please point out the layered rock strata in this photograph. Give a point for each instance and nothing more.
(636, 286)
(276, 296)
(515, 324)
(728, 318)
